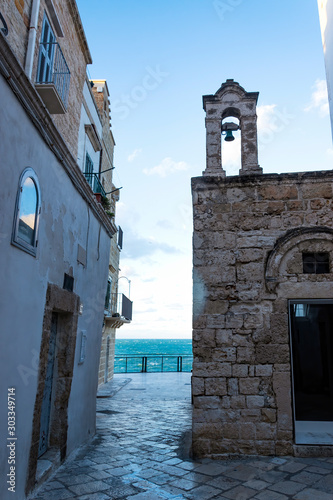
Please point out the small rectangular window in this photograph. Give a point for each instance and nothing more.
(83, 347)
(316, 263)
(108, 295)
(120, 238)
(68, 283)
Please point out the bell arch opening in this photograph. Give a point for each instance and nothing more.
(231, 144)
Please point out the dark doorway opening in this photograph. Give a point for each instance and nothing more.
(311, 330)
(47, 395)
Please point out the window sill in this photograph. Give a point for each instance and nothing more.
(25, 247)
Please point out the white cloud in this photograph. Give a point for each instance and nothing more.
(265, 114)
(319, 98)
(138, 246)
(134, 155)
(162, 300)
(271, 121)
(166, 167)
(165, 224)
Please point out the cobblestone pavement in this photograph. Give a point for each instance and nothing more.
(139, 453)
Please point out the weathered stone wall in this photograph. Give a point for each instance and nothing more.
(16, 14)
(249, 235)
(108, 333)
(109, 330)
(73, 45)
(101, 96)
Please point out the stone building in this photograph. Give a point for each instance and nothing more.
(54, 239)
(117, 307)
(262, 298)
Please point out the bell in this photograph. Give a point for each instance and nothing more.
(229, 137)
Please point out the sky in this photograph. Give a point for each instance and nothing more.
(159, 58)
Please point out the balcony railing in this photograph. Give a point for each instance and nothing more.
(119, 310)
(95, 183)
(53, 77)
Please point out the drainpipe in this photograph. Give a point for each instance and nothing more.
(32, 38)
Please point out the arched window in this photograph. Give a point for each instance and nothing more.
(27, 210)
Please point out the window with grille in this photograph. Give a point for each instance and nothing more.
(46, 54)
(53, 74)
(89, 169)
(316, 263)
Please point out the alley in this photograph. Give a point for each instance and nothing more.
(140, 452)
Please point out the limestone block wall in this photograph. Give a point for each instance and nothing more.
(109, 332)
(17, 17)
(249, 235)
(101, 97)
(109, 335)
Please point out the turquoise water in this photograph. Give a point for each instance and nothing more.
(153, 355)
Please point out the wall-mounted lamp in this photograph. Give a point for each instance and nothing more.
(110, 192)
(107, 170)
(129, 284)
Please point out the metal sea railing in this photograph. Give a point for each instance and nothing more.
(153, 363)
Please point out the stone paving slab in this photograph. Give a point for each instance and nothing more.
(140, 453)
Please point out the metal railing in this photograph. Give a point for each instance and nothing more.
(120, 306)
(54, 69)
(95, 183)
(126, 306)
(153, 363)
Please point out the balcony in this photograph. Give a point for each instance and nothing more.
(119, 310)
(95, 183)
(53, 78)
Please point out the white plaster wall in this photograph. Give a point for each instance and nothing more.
(87, 96)
(326, 24)
(65, 221)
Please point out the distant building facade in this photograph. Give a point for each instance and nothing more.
(117, 306)
(326, 24)
(55, 237)
(262, 298)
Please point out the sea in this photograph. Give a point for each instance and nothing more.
(153, 355)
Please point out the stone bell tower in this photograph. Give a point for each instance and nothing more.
(231, 100)
(262, 298)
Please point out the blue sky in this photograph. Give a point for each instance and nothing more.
(159, 58)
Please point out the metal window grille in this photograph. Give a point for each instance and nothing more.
(316, 263)
(52, 66)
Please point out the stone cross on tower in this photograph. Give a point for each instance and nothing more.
(231, 100)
